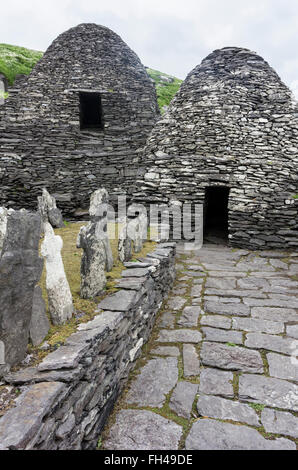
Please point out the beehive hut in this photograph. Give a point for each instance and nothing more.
(229, 141)
(77, 121)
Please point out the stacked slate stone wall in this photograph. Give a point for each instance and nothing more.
(67, 398)
(233, 123)
(41, 143)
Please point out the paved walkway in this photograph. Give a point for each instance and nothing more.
(220, 370)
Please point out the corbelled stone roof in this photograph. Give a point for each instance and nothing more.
(233, 123)
(43, 143)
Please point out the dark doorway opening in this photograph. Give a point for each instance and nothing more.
(216, 214)
(90, 111)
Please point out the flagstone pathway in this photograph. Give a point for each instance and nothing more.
(220, 371)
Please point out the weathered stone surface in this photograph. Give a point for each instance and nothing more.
(190, 316)
(222, 336)
(166, 351)
(191, 362)
(217, 283)
(270, 342)
(179, 336)
(66, 427)
(31, 375)
(167, 320)
(228, 357)
(121, 301)
(48, 210)
(155, 381)
(269, 391)
(216, 320)
(227, 309)
(273, 302)
(274, 314)
(258, 325)
(176, 303)
(280, 422)
(216, 382)
(143, 430)
(65, 357)
(292, 331)
(20, 270)
(207, 434)
(135, 272)
(182, 399)
(59, 294)
(220, 408)
(20, 424)
(39, 325)
(4, 214)
(283, 367)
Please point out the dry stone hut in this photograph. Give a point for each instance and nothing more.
(229, 140)
(77, 122)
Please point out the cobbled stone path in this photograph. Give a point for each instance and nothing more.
(220, 371)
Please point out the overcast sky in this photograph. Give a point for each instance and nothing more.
(169, 35)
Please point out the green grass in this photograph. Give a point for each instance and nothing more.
(165, 91)
(15, 60)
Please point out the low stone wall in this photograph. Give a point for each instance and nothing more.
(67, 398)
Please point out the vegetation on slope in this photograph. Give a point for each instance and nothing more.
(15, 60)
(166, 87)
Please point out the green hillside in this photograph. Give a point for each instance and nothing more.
(166, 86)
(15, 60)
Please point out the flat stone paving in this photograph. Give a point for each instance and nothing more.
(222, 372)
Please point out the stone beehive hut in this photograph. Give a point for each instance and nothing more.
(77, 122)
(229, 141)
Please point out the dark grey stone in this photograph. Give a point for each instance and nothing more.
(190, 316)
(156, 380)
(270, 342)
(220, 408)
(20, 270)
(179, 336)
(217, 321)
(229, 357)
(227, 309)
(216, 382)
(65, 357)
(143, 430)
(182, 399)
(191, 362)
(121, 301)
(207, 434)
(280, 422)
(268, 391)
(258, 325)
(39, 325)
(166, 351)
(222, 336)
(283, 367)
(20, 424)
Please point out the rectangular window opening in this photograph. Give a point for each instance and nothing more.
(91, 116)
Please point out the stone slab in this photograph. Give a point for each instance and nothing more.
(143, 430)
(216, 382)
(182, 399)
(221, 408)
(156, 379)
(179, 336)
(231, 358)
(207, 434)
(268, 391)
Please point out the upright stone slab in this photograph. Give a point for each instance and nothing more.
(48, 210)
(59, 294)
(4, 213)
(20, 270)
(97, 254)
(39, 325)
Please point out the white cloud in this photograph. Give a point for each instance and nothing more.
(171, 35)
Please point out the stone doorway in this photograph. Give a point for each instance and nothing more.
(216, 214)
